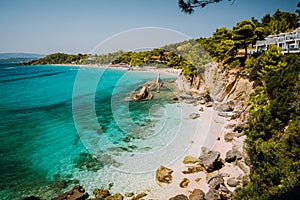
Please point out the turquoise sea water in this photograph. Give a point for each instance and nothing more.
(48, 129)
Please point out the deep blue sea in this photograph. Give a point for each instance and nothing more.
(60, 123)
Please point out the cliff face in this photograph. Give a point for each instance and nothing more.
(228, 85)
(228, 89)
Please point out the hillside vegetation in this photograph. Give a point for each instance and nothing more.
(273, 133)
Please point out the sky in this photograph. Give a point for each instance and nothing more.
(81, 26)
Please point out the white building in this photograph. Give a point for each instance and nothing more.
(288, 42)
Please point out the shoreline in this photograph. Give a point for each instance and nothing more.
(208, 130)
(151, 69)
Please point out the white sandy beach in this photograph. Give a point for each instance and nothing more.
(193, 135)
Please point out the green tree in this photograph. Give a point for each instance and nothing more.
(244, 34)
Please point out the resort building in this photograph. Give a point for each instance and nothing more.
(288, 42)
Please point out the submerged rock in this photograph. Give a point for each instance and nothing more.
(76, 193)
(164, 175)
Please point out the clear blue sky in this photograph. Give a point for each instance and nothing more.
(77, 26)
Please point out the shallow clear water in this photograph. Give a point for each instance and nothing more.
(61, 124)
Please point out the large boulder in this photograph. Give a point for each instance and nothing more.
(143, 94)
(216, 181)
(210, 161)
(197, 194)
(76, 193)
(233, 155)
(179, 197)
(164, 175)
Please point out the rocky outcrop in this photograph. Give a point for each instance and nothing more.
(193, 83)
(144, 94)
(76, 193)
(190, 160)
(164, 175)
(227, 86)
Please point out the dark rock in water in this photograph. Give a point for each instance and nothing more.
(179, 197)
(144, 94)
(76, 193)
(232, 182)
(32, 198)
(210, 161)
(212, 194)
(99, 130)
(101, 194)
(175, 99)
(197, 194)
(194, 115)
(164, 175)
(89, 162)
(201, 109)
(233, 155)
